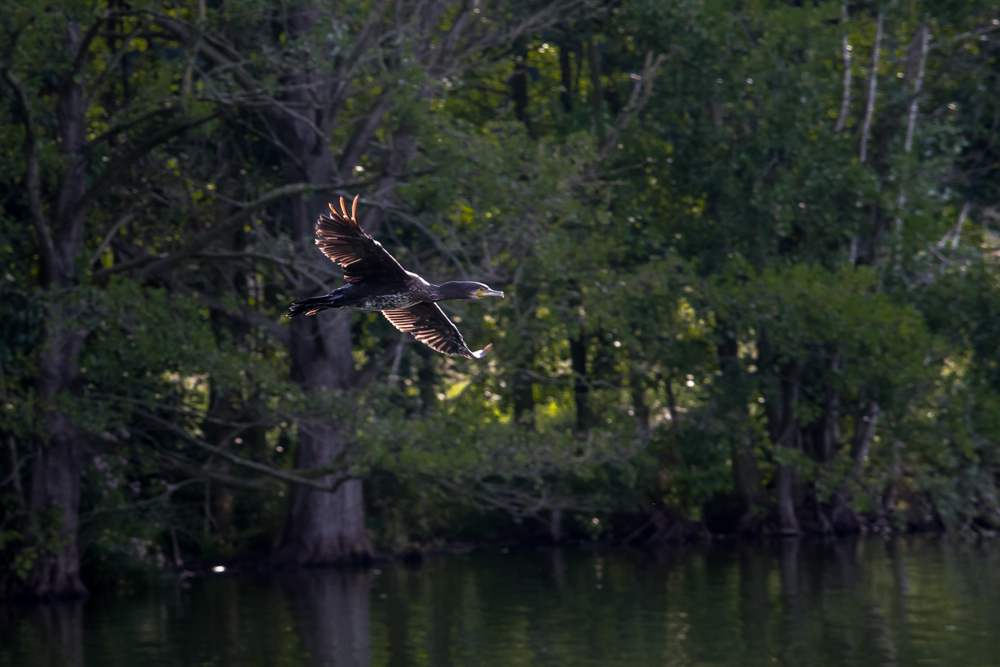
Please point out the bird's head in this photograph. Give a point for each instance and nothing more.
(464, 289)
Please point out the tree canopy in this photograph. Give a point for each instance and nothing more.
(749, 251)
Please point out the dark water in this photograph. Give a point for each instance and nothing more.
(844, 603)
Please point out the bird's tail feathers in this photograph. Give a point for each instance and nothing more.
(479, 354)
(313, 305)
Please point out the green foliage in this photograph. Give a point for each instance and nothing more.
(707, 285)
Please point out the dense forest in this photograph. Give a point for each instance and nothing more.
(749, 250)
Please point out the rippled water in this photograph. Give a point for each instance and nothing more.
(852, 603)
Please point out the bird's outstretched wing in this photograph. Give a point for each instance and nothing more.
(428, 324)
(341, 238)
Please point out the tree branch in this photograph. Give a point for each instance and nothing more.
(50, 259)
(107, 176)
(250, 318)
(124, 220)
(15, 461)
(955, 232)
(872, 89)
(845, 101)
(359, 142)
(130, 124)
(198, 244)
(260, 467)
(917, 86)
(110, 67)
(641, 90)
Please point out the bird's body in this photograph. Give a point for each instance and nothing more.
(374, 280)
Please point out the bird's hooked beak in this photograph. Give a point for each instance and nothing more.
(480, 294)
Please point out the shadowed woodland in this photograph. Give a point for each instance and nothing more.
(749, 251)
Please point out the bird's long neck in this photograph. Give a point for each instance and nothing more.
(450, 291)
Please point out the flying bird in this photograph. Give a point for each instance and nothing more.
(376, 281)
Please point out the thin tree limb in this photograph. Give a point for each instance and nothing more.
(641, 90)
(955, 232)
(872, 90)
(284, 476)
(124, 220)
(52, 268)
(917, 87)
(199, 242)
(117, 129)
(107, 177)
(845, 101)
(15, 461)
(110, 67)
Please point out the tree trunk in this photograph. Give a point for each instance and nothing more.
(844, 518)
(556, 525)
(581, 388)
(523, 391)
(54, 502)
(322, 527)
(640, 409)
(565, 46)
(55, 483)
(786, 434)
(746, 474)
(519, 83)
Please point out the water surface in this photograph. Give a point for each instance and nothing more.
(849, 602)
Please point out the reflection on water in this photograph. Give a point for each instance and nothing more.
(844, 602)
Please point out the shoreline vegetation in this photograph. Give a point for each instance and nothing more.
(751, 258)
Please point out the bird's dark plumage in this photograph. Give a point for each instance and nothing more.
(376, 281)
(341, 238)
(428, 324)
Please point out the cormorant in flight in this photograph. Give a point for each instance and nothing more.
(376, 281)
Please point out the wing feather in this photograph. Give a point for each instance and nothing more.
(429, 325)
(341, 239)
